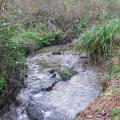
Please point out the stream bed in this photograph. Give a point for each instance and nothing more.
(46, 96)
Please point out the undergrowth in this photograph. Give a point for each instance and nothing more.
(11, 53)
(100, 39)
(41, 35)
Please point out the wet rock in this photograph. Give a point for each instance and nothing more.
(26, 76)
(56, 53)
(26, 66)
(49, 88)
(35, 91)
(54, 75)
(66, 73)
(84, 67)
(83, 55)
(35, 113)
(51, 71)
(48, 83)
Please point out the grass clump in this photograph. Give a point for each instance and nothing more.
(100, 39)
(116, 71)
(115, 113)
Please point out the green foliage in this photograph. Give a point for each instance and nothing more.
(11, 49)
(100, 39)
(84, 21)
(2, 82)
(81, 25)
(11, 52)
(72, 2)
(40, 35)
(116, 70)
(115, 113)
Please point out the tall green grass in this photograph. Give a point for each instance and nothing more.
(100, 39)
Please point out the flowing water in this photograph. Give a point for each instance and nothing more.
(46, 96)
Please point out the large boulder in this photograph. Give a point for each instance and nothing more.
(66, 73)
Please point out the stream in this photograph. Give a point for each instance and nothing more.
(46, 96)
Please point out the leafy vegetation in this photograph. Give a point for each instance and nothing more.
(11, 48)
(100, 39)
(11, 52)
(40, 35)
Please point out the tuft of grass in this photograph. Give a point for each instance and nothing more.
(81, 25)
(115, 113)
(115, 90)
(100, 39)
(116, 70)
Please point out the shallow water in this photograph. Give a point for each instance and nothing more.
(65, 98)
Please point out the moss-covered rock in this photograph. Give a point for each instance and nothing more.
(66, 73)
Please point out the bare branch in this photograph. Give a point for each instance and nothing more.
(3, 4)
